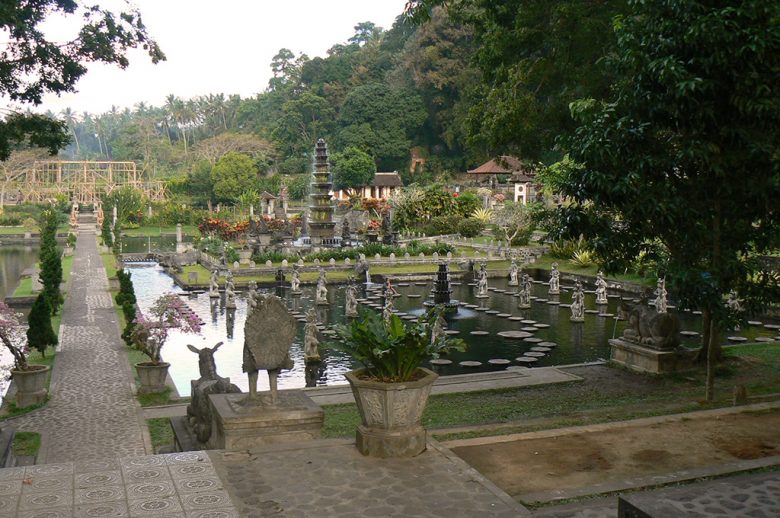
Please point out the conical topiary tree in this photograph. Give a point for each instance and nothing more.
(40, 334)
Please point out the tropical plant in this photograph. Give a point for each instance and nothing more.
(390, 350)
(168, 312)
(482, 215)
(583, 258)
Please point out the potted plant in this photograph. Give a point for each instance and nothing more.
(30, 380)
(151, 332)
(391, 389)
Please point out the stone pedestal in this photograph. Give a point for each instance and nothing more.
(639, 358)
(235, 426)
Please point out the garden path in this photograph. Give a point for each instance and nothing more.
(92, 413)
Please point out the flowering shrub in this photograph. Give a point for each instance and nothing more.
(12, 334)
(374, 224)
(151, 332)
(222, 229)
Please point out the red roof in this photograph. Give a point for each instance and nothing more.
(505, 165)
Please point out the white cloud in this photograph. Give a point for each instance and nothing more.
(223, 46)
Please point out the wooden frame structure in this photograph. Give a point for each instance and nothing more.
(83, 181)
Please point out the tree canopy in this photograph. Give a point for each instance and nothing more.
(352, 168)
(233, 174)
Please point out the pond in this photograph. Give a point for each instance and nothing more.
(166, 243)
(577, 342)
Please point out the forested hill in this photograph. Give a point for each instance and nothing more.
(384, 91)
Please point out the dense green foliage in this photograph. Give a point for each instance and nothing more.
(49, 257)
(40, 333)
(232, 175)
(352, 168)
(125, 298)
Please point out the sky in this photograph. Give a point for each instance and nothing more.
(216, 46)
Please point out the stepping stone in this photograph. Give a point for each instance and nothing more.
(500, 291)
(552, 302)
(469, 363)
(530, 329)
(527, 360)
(499, 361)
(515, 319)
(421, 284)
(565, 305)
(541, 326)
(471, 306)
(402, 284)
(463, 304)
(549, 345)
(755, 323)
(771, 326)
(592, 311)
(689, 333)
(492, 312)
(455, 283)
(409, 317)
(541, 300)
(513, 335)
(614, 296)
(481, 309)
(533, 340)
(504, 315)
(413, 296)
(764, 339)
(441, 361)
(737, 339)
(301, 319)
(534, 354)
(540, 349)
(697, 312)
(479, 333)
(528, 321)
(607, 315)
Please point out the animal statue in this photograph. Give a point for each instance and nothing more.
(649, 328)
(199, 410)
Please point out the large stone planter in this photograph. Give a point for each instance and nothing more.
(31, 385)
(152, 376)
(390, 414)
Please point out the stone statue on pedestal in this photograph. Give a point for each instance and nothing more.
(578, 303)
(251, 299)
(322, 289)
(350, 302)
(513, 273)
(660, 299)
(268, 333)
(555, 280)
(482, 283)
(311, 342)
(524, 293)
(295, 281)
(648, 327)
(214, 284)
(439, 328)
(601, 289)
(230, 294)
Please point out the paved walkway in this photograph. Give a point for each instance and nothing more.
(92, 413)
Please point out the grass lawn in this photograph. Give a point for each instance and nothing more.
(152, 231)
(565, 266)
(6, 231)
(25, 288)
(606, 394)
(160, 431)
(27, 443)
(109, 263)
(67, 266)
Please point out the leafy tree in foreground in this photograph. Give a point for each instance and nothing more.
(352, 168)
(40, 333)
(31, 65)
(232, 175)
(687, 152)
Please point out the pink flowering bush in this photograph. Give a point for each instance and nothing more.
(12, 334)
(151, 331)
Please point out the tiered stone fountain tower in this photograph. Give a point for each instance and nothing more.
(321, 225)
(442, 292)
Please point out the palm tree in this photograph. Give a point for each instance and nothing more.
(70, 119)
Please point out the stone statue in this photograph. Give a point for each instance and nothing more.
(388, 308)
(660, 298)
(268, 333)
(513, 273)
(555, 280)
(311, 342)
(482, 283)
(199, 410)
(230, 294)
(346, 237)
(214, 284)
(601, 289)
(578, 303)
(361, 269)
(295, 281)
(251, 300)
(524, 293)
(649, 328)
(350, 302)
(322, 289)
(387, 229)
(733, 302)
(74, 215)
(390, 292)
(439, 328)
(100, 216)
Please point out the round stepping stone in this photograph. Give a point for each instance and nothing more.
(737, 339)
(534, 354)
(565, 305)
(479, 333)
(402, 284)
(771, 326)
(764, 339)
(499, 361)
(697, 312)
(540, 349)
(421, 284)
(463, 304)
(552, 303)
(504, 315)
(499, 291)
(592, 311)
(613, 296)
(755, 323)
(541, 326)
(469, 363)
(689, 333)
(441, 361)
(492, 312)
(607, 315)
(549, 345)
(515, 294)
(471, 306)
(528, 321)
(513, 335)
(455, 283)
(526, 360)
(515, 319)
(532, 340)
(530, 329)
(413, 296)
(481, 309)
(452, 332)
(541, 300)
(409, 317)
(302, 319)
